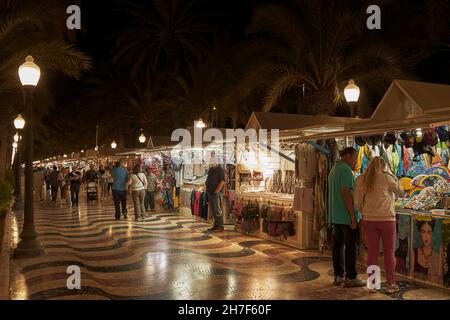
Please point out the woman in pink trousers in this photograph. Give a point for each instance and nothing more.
(374, 196)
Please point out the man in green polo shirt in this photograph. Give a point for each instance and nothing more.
(344, 219)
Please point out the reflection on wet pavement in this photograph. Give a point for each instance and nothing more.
(169, 256)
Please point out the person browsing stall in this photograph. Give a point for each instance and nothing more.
(215, 184)
(344, 219)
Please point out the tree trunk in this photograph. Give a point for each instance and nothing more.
(321, 101)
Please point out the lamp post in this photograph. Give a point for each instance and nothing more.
(19, 124)
(351, 93)
(200, 124)
(29, 245)
(113, 145)
(142, 137)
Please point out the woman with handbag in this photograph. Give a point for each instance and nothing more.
(138, 184)
(375, 193)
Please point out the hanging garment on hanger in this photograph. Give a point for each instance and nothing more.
(401, 165)
(204, 206)
(358, 166)
(197, 203)
(303, 199)
(367, 156)
(193, 195)
(305, 162)
(395, 160)
(406, 159)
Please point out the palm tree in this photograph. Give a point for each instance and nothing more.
(203, 87)
(316, 46)
(26, 29)
(164, 33)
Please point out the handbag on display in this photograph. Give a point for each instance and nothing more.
(258, 175)
(275, 214)
(243, 169)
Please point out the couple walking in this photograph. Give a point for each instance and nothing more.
(142, 191)
(372, 195)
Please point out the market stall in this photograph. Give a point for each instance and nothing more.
(409, 130)
(276, 182)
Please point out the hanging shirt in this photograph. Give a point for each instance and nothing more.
(197, 204)
(305, 162)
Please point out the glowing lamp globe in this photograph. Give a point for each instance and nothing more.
(352, 92)
(142, 138)
(200, 124)
(29, 72)
(19, 122)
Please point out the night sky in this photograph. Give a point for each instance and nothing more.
(101, 20)
(404, 27)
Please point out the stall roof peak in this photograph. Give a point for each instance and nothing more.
(407, 99)
(287, 121)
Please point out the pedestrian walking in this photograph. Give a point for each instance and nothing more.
(75, 179)
(63, 184)
(120, 180)
(344, 219)
(54, 183)
(375, 193)
(138, 183)
(110, 182)
(152, 186)
(103, 181)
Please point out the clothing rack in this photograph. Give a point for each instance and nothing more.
(258, 199)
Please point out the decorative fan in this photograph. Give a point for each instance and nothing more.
(407, 183)
(429, 180)
(439, 170)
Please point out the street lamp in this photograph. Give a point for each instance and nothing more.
(29, 245)
(142, 138)
(351, 93)
(114, 145)
(200, 124)
(19, 122)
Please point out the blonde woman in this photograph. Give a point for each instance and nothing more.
(375, 193)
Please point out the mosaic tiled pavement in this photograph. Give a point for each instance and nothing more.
(169, 256)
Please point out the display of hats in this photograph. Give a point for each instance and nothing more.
(442, 133)
(406, 183)
(374, 140)
(420, 147)
(390, 138)
(431, 180)
(407, 139)
(417, 179)
(430, 137)
(360, 141)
